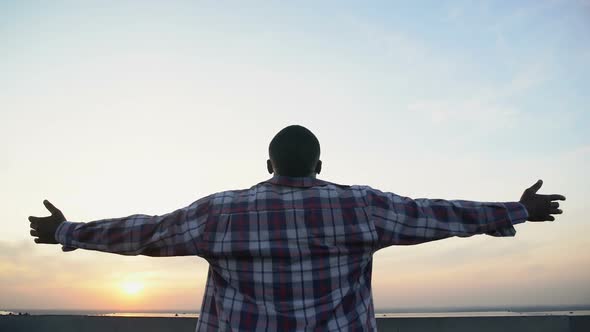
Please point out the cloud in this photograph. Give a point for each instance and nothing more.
(471, 111)
(399, 48)
(455, 12)
(523, 14)
(486, 108)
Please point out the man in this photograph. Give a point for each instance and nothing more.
(293, 252)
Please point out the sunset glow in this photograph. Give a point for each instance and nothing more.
(115, 108)
(131, 287)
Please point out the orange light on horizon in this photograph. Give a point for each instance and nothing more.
(132, 287)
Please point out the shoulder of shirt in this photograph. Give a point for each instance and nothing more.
(233, 193)
(246, 194)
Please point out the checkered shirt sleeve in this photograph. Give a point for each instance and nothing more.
(401, 220)
(174, 234)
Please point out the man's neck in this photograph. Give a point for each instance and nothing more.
(313, 175)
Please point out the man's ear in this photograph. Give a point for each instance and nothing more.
(318, 167)
(269, 166)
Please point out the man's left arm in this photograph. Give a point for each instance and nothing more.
(401, 220)
(174, 234)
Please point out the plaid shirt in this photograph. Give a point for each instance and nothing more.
(291, 253)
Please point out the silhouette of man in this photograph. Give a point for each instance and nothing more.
(293, 252)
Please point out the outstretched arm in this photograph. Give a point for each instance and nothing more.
(173, 234)
(403, 221)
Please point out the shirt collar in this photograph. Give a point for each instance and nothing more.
(302, 182)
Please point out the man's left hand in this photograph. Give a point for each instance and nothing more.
(43, 228)
(541, 207)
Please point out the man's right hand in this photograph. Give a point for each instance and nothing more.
(541, 207)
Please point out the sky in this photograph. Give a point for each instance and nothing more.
(112, 108)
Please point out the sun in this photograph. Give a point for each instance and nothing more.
(132, 287)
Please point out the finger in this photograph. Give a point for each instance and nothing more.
(37, 240)
(554, 205)
(34, 232)
(556, 197)
(51, 207)
(551, 218)
(535, 187)
(555, 211)
(36, 219)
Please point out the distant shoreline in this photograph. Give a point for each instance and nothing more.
(79, 323)
(379, 314)
(411, 312)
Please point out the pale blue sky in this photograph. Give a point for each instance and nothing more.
(110, 108)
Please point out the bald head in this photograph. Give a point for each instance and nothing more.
(294, 151)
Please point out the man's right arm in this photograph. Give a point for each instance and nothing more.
(178, 233)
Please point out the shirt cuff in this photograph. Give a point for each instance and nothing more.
(64, 234)
(517, 212)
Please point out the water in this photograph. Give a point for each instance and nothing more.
(153, 314)
(483, 314)
(490, 313)
(102, 313)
